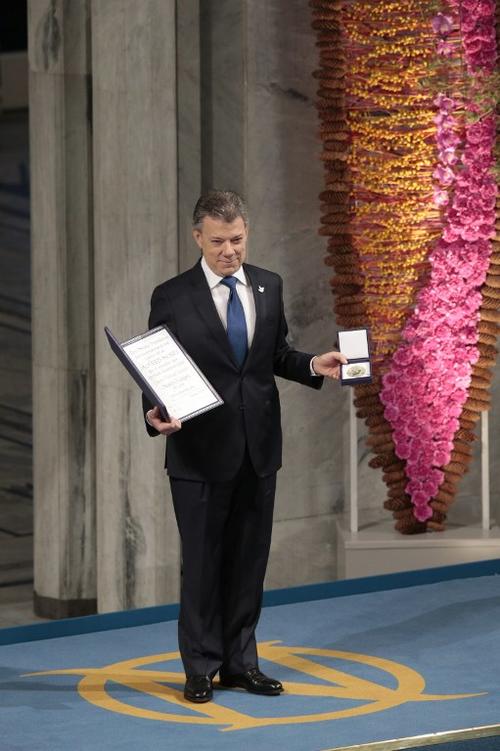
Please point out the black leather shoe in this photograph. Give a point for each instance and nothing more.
(198, 688)
(252, 680)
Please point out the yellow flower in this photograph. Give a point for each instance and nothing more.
(389, 114)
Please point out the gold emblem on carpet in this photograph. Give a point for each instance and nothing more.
(369, 696)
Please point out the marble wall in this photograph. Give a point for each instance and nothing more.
(189, 119)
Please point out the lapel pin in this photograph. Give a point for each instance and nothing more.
(261, 289)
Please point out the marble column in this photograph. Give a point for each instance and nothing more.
(62, 309)
(259, 137)
(223, 54)
(136, 248)
(189, 109)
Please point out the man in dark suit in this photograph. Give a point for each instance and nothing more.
(229, 317)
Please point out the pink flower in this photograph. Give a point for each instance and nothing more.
(450, 234)
(449, 156)
(441, 458)
(489, 189)
(442, 24)
(481, 131)
(403, 449)
(447, 139)
(422, 513)
(444, 175)
(413, 486)
(430, 487)
(391, 413)
(457, 397)
(445, 103)
(425, 388)
(420, 497)
(389, 379)
(403, 356)
(474, 230)
(440, 197)
(486, 8)
(442, 331)
(455, 410)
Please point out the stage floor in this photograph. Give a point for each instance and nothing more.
(360, 669)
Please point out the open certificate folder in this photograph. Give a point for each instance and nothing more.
(166, 374)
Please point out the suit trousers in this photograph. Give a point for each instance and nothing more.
(225, 530)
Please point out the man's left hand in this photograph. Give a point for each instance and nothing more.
(329, 364)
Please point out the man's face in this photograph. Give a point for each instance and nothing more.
(223, 244)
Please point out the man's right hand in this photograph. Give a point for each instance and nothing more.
(154, 418)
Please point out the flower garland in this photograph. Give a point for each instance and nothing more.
(427, 384)
(389, 116)
(408, 131)
(376, 119)
(482, 96)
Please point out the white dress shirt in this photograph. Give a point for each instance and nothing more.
(220, 295)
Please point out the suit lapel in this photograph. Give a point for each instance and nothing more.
(205, 306)
(259, 297)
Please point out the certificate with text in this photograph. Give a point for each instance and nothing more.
(166, 374)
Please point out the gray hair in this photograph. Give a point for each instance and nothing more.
(220, 204)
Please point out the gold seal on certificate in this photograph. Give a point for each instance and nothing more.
(166, 374)
(354, 345)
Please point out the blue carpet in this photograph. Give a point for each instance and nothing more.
(357, 669)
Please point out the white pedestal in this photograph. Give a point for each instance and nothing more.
(378, 549)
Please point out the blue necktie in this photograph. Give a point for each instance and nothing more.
(236, 324)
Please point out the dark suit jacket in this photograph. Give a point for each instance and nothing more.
(211, 446)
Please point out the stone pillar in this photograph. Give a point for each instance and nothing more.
(223, 54)
(259, 137)
(189, 125)
(136, 248)
(62, 317)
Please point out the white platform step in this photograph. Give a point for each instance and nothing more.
(378, 549)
